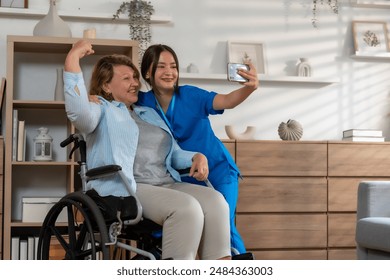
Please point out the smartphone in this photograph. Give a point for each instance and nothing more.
(232, 74)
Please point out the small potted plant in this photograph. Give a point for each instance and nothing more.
(139, 13)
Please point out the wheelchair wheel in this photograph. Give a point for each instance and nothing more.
(84, 236)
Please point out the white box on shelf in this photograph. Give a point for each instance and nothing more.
(35, 209)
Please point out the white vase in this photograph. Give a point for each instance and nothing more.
(304, 68)
(52, 24)
(59, 89)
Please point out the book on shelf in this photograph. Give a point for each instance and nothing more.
(36, 241)
(21, 143)
(362, 133)
(364, 139)
(2, 94)
(23, 249)
(15, 247)
(15, 121)
(31, 255)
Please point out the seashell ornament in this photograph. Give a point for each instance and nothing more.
(291, 131)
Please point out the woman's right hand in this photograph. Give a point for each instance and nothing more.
(80, 49)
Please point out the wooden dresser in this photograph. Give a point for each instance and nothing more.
(298, 198)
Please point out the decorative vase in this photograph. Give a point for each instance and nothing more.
(304, 68)
(290, 131)
(248, 134)
(52, 24)
(59, 89)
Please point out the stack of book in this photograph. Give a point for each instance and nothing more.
(24, 248)
(363, 135)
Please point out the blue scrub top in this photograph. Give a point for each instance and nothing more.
(188, 119)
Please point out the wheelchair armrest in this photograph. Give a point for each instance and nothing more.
(102, 171)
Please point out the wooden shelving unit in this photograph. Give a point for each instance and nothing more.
(31, 76)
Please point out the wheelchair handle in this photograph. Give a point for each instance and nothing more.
(67, 141)
(79, 143)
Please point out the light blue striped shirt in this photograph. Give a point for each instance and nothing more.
(112, 135)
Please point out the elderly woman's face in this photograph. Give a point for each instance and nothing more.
(124, 85)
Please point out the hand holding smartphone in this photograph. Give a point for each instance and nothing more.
(232, 74)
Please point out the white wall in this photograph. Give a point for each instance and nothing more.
(200, 29)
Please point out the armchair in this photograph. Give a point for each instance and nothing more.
(373, 220)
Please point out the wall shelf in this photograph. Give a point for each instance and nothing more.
(31, 13)
(376, 58)
(263, 78)
(374, 6)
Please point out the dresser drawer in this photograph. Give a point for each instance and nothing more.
(360, 160)
(282, 194)
(266, 231)
(281, 158)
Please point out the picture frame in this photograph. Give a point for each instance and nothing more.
(14, 4)
(239, 51)
(370, 37)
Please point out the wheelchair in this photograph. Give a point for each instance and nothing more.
(101, 227)
(97, 228)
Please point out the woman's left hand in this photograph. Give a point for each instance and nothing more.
(200, 168)
(250, 75)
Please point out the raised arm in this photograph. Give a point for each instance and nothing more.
(83, 114)
(236, 97)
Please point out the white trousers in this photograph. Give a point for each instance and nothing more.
(195, 220)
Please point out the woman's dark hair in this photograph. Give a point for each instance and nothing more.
(104, 71)
(151, 57)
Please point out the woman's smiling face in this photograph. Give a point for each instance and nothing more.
(124, 85)
(166, 74)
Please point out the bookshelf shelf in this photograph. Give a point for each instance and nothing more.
(43, 163)
(31, 104)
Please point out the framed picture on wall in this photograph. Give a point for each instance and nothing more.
(14, 3)
(241, 51)
(370, 37)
